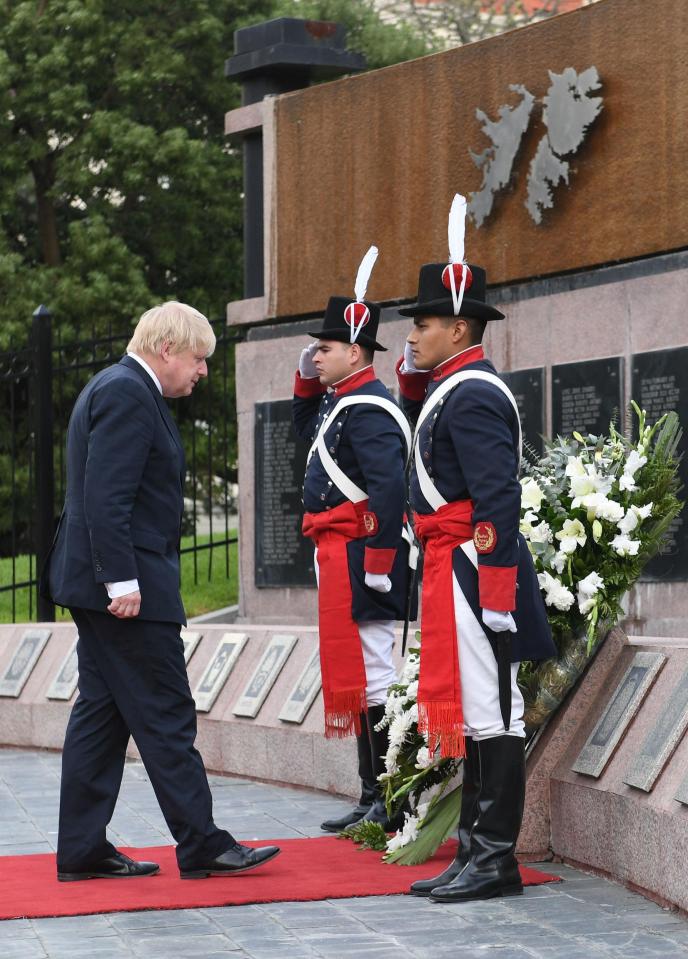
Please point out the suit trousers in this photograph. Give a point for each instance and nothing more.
(132, 681)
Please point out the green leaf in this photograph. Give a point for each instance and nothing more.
(440, 822)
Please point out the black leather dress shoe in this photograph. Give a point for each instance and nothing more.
(337, 825)
(117, 866)
(237, 859)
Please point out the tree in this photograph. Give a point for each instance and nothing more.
(446, 23)
(117, 186)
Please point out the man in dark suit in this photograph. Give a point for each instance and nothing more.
(115, 564)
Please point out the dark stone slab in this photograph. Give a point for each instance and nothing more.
(662, 739)
(283, 556)
(586, 395)
(528, 387)
(659, 384)
(618, 713)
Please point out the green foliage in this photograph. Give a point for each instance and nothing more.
(369, 835)
(438, 825)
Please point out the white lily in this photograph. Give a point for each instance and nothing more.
(572, 535)
(624, 546)
(587, 589)
(531, 494)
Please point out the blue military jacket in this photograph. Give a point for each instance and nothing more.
(368, 445)
(469, 446)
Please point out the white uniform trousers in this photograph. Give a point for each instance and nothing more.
(377, 640)
(479, 684)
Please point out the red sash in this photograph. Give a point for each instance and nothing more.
(439, 690)
(341, 655)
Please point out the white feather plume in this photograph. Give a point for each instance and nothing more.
(457, 229)
(363, 275)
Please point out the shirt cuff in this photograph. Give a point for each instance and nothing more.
(378, 560)
(307, 387)
(412, 386)
(497, 587)
(116, 590)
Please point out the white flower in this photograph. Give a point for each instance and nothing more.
(423, 758)
(541, 533)
(412, 691)
(599, 507)
(559, 562)
(634, 462)
(556, 594)
(531, 494)
(643, 512)
(628, 522)
(587, 588)
(571, 535)
(411, 668)
(588, 482)
(575, 466)
(407, 834)
(625, 546)
(527, 520)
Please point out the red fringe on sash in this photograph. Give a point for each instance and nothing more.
(443, 725)
(343, 713)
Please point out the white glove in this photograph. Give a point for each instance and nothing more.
(307, 367)
(499, 622)
(380, 582)
(408, 366)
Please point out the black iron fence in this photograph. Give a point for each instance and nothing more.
(39, 383)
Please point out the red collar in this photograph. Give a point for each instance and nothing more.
(454, 363)
(352, 382)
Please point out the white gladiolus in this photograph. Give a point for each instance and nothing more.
(526, 523)
(531, 494)
(599, 507)
(571, 535)
(624, 546)
(556, 594)
(423, 758)
(643, 512)
(404, 836)
(634, 462)
(587, 588)
(628, 522)
(559, 562)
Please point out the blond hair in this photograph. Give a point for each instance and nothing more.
(178, 324)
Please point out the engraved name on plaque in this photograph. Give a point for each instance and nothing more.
(659, 385)
(283, 557)
(662, 739)
(586, 395)
(528, 389)
(618, 713)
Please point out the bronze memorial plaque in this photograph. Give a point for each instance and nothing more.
(618, 713)
(218, 669)
(25, 658)
(303, 695)
(67, 678)
(662, 739)
(264, 675)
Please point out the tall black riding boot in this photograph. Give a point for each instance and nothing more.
(368, 784)
(379, 743)
(492, 869)
(469, 796)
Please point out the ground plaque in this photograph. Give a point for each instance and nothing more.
(682, 794)
(662, 740)
(303, 694)
(618, 713)
(528, 389)
(264, 675)
(218, 669)
(586, 395)
(64, 684)
(22, 663)
(659, 385)
(283, 556)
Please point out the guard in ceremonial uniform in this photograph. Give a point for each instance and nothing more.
(482, 608)
(354, 496)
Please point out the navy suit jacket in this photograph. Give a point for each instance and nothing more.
(124, 502)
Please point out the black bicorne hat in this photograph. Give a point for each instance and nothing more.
(353, 321)
(435, 292)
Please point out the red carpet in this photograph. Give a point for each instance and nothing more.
(307, 869)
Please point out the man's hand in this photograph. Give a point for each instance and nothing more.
(499, 622)
(127, 606)
(409, 366)
(380, 582)
(307, 367)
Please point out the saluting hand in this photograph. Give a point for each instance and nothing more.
(307, 367)
(127, 606)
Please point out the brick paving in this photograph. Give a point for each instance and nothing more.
(582, 918)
